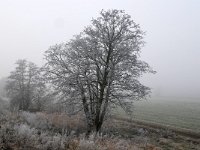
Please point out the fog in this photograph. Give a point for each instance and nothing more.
(172, 37)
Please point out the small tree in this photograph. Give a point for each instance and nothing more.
(100, 68)
(23, 84)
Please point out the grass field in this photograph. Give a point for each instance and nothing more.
(176, 112)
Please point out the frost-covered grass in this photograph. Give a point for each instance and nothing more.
(42, 131)
(182, 113)
(175, 112)
(55, 122)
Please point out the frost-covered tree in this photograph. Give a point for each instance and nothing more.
(25, 85)
(100, 67)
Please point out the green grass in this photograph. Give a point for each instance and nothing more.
(176, 112)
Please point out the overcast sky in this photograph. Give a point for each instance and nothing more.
(29, 27)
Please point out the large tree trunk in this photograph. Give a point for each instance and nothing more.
(94, 127)
(90, 129)
(98, 126)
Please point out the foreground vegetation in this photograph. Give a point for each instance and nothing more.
(58, 131)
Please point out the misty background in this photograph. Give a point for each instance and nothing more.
(28, 28)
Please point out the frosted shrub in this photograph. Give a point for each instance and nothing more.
(24, 130)
(29, 117)
(36, 120)
(61, 123)
(48, 141)
(87, 145)
(6, 133)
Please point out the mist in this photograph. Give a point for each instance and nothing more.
(28, 28)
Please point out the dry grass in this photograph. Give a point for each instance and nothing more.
(43, 131)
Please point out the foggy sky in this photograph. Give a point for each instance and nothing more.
(29, 27)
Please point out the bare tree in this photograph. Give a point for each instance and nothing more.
(100, 68)
(23, 85)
